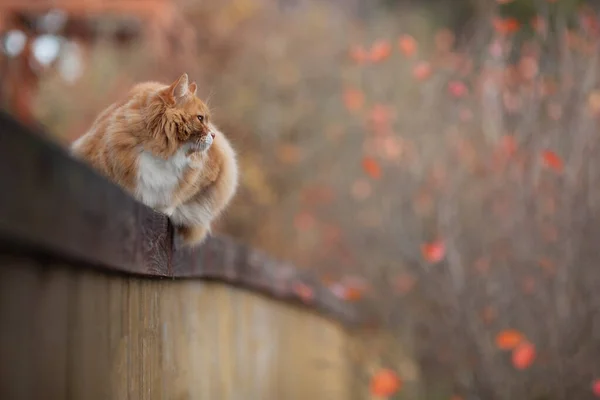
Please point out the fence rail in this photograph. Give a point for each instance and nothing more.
(54, 205)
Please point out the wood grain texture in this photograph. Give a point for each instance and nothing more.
(54, 205)
(78, 334)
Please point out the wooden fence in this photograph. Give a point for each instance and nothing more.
(95, 303)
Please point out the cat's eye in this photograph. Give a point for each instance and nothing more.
(201, 118)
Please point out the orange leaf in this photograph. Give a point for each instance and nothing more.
(422, 71)
(596, 387)
(371, 167)
(523, 355)
(433, 252)
(385, 383)
(303, 291)
(505, 26)
(380, 51)
(353, 294)
(407, 45)
(508, 339)
(347, 292)
(552, 160)
(353, 99)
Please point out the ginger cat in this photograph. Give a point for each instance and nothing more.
(160, 145)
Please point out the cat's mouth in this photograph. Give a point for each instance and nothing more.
(200, 145)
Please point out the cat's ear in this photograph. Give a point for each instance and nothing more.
(180, 88)
(192, 88)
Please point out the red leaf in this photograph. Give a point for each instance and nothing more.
(380, 51)
(371, 167)
(523, 355)
(505, 26)
(407, 45)
(385, 383)
(433, 252)
(552, 160)
(596, 387)
(457, 89)
(509, 339)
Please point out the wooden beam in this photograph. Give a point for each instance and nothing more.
(57, 207)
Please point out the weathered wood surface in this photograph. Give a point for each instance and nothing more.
(55, 206)
(79, 334)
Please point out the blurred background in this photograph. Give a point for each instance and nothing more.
(434, 162)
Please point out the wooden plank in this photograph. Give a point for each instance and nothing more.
(89, 359)
(33, 337)
(115, 337)
(118, 337)
(50, 317)
(17, 304)
(54, 205)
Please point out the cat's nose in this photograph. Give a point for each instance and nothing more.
(212, 134)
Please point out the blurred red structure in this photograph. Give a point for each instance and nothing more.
(157, 22)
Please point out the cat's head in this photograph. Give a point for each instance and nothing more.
(186, 119)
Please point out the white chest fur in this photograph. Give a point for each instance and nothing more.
(159, 178)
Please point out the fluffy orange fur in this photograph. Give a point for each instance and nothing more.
(161, 146)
